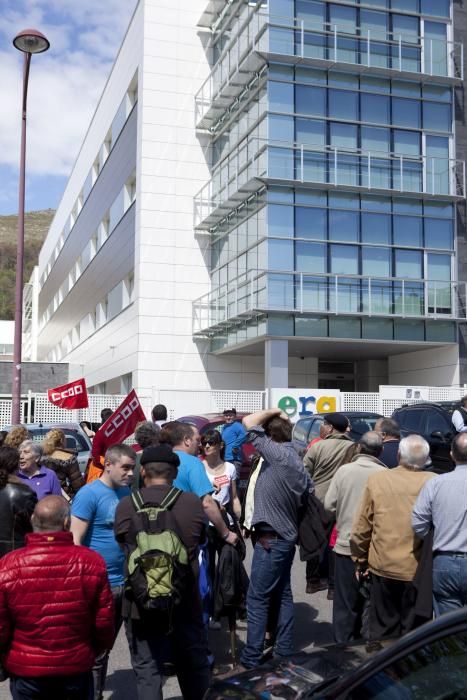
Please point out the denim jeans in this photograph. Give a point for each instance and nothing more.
(78, 687)
(449, 582)
(269, 585)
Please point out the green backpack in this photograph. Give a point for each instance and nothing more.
(158, 567)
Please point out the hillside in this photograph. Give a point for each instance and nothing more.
(36, 226)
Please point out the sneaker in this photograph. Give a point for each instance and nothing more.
(214, 624)
(315, 586)
(330, 595)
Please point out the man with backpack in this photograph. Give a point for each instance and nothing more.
(159, 529)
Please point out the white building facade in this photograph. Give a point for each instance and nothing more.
(255, 203)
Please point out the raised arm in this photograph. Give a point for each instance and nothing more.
(260, 417)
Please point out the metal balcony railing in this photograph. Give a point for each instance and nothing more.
(238, 175)
(262, 38)
(271, 291)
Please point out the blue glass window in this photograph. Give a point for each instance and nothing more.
(342, 200)
(406, 112)
(405, 5)
(343, 104)
(310, 132)
(407, 231)
(440, 8)
(407, 143)
(406, 88)
(310, 100)
(443, 210)
(436, 116)
(408, 264)
(378, 204)
(313, 197)
(375, 139)
(281, 128)
(376, 228)
(439, 233)
(343, 135)
(375, 108)
(375, 84)
(310, 257)
(437, 92)
(280, 220)
(280, 96)
(406, 27)
(376, 262)
(343, 225)
(280, 254)
(344, 259)
(311, 223)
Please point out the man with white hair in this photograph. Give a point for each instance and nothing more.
(382, 541)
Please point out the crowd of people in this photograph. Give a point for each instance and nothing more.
(161, 531)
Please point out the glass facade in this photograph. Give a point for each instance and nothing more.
(316, 226)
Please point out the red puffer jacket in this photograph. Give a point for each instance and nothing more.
(56, 607)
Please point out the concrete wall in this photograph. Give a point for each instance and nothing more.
(369, 374)
(36, 376)
(438, 367)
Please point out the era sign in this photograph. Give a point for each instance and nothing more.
(300, 403)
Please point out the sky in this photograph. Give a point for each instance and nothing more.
(65, 84)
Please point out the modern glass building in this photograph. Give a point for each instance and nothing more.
(335, 182)
(269, 194)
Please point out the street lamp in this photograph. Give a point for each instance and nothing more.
(28, 41)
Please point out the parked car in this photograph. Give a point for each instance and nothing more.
(306, 429)
(427, 664)
(216, 421)
(433, 422)
(75, 438)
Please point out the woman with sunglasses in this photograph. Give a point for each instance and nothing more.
(222, 476)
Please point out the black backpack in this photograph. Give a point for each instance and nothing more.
(158, 566)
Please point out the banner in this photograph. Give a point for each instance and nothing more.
(120, 425)
(69, 396)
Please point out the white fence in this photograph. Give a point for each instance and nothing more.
(37, 408)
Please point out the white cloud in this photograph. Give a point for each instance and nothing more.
(65, 83)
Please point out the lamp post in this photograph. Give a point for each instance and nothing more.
(28, 41)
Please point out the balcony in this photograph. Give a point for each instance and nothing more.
(262, 39)
(264, 292)
(238, 176)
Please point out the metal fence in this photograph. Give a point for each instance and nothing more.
(36, 407)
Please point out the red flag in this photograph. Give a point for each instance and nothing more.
(119, 426)
(70, 396)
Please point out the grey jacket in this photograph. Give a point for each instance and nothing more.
(345, 493)
(325, 457)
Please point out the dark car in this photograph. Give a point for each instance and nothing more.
(216, 421)
(306, 429)
(427, 664)
(433, 422)
(75, 438)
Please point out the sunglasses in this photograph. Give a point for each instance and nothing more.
(209, 443)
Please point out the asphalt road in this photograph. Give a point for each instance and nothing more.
(312, 627)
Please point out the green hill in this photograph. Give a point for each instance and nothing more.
(36, 226)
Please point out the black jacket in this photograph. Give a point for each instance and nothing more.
(17, 503)
(231, 584)
(312, 528)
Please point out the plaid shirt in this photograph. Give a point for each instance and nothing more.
(281, 483)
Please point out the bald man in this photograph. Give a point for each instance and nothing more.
(56, 609)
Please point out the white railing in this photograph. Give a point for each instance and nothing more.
(299, 292)
(301, 41)
(324, 165)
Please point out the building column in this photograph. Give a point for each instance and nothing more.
(276, 365)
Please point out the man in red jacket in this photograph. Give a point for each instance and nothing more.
(56, 610)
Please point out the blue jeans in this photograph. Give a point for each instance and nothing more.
(449, 583)
(269, 585)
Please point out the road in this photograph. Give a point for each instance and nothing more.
(312, 627)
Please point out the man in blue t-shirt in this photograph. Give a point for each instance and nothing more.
(92, 524)
(192, 477)
(233, 437)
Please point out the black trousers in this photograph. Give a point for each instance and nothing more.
(322, 567)
(391, 611)
(78, 687)
(348, 603)
(186, 647)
